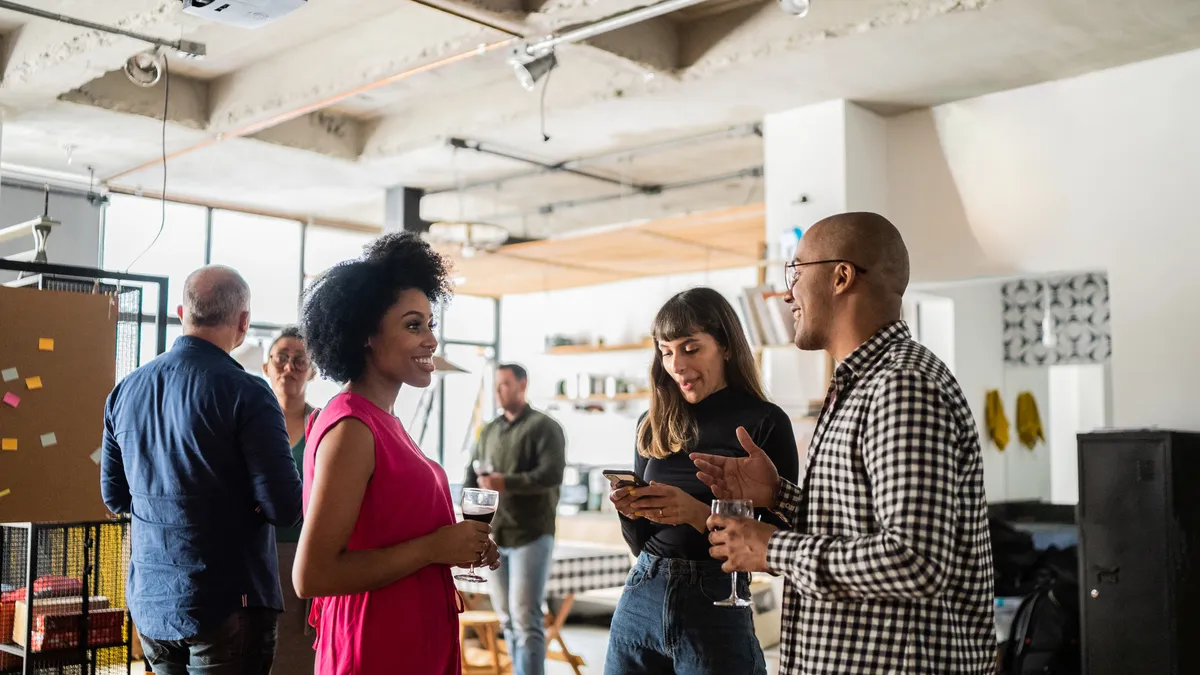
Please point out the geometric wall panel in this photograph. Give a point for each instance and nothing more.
(1078, 320)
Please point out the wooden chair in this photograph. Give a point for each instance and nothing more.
(487, 628)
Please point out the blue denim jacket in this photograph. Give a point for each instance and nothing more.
(196, 449)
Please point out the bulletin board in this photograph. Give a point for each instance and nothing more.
(57, 365)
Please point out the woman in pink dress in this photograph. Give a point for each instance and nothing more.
(379, 535)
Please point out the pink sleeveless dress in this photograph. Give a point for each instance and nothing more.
(410, 626)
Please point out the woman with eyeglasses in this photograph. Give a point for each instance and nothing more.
(289, 372)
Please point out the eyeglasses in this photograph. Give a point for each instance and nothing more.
(298, 361)
(791, 271)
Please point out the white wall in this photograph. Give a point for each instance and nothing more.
(1078, 403)
(1095, 172)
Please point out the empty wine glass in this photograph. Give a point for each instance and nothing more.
(734, 508)
(479, 505)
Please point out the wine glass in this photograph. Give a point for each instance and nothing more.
(477, 505)
(734, 508)
(482, 467)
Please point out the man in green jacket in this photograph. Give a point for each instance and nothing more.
(521, 454)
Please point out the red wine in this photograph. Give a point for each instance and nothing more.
(478, 514)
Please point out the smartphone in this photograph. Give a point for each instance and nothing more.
(623, 478)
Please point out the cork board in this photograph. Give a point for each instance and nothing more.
(53, 478)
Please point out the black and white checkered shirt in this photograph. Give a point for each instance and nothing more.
(889, 569)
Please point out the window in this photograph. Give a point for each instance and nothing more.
(470, 403)
(266, 251)
(470, 318)
(146, 353)
(130, 224)
(328, 246)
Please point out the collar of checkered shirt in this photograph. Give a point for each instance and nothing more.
(868, 353)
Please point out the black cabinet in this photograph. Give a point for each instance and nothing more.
(1139, 520)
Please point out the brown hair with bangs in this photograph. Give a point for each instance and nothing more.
(669, 427)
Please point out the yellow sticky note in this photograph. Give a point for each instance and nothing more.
(5, 492)
(9, 444)
(46, 344)
(33, 382)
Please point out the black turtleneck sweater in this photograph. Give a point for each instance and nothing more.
(717, 418)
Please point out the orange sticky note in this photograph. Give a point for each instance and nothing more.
(46, 344)
(9, 444)
(33, 382)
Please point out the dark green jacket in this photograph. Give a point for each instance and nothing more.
(531, 453)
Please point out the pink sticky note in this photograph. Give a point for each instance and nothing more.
(12, 399)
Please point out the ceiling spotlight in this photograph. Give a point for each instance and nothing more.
(530, 68)
(797, 8)
(144, 69)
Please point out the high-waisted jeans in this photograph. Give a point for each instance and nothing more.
(666, 622)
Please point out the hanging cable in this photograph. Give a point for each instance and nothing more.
(545, 86)
(162, 224)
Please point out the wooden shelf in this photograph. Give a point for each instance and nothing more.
(562, 350)
(600, 398)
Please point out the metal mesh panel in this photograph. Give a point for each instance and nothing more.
(128, 307)
(79, 622)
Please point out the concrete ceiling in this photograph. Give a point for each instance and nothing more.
(318, 113)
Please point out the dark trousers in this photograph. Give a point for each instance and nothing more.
(294, 653)
(243, 645)
(666, 622)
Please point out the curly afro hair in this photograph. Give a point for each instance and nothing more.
(344, 306)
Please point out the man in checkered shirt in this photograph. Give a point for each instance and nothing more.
(889, 564)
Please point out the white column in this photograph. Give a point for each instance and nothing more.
(821, 160)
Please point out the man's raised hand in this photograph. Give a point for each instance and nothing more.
(753, 477)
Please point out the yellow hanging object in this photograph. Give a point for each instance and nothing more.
(1029, 422)
(997, 421)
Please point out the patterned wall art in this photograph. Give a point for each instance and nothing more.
(1079, 320)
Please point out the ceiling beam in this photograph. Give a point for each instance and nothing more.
(44, 58)
(113, 91)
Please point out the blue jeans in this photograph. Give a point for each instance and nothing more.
(518, 588)
(243, 645)
(666, 622)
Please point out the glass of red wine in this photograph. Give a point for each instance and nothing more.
(477, 505)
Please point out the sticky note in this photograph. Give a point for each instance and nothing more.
(33, 382)
(46, 344)
(49, 440)
(5, 492)
(12, 399)
(9, 374)
(96, 455)
(9, 444)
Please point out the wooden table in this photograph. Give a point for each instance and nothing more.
(576, 567)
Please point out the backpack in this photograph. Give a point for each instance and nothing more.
(1045, 633)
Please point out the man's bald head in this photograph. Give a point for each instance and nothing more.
(868, 240)
(215, 295)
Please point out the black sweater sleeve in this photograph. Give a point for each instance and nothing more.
(777, 439)
(636, 530)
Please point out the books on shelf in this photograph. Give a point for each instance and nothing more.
(767, 318)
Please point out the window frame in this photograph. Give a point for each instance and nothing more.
(301, 277)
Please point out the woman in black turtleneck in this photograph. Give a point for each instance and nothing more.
(705, 385)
